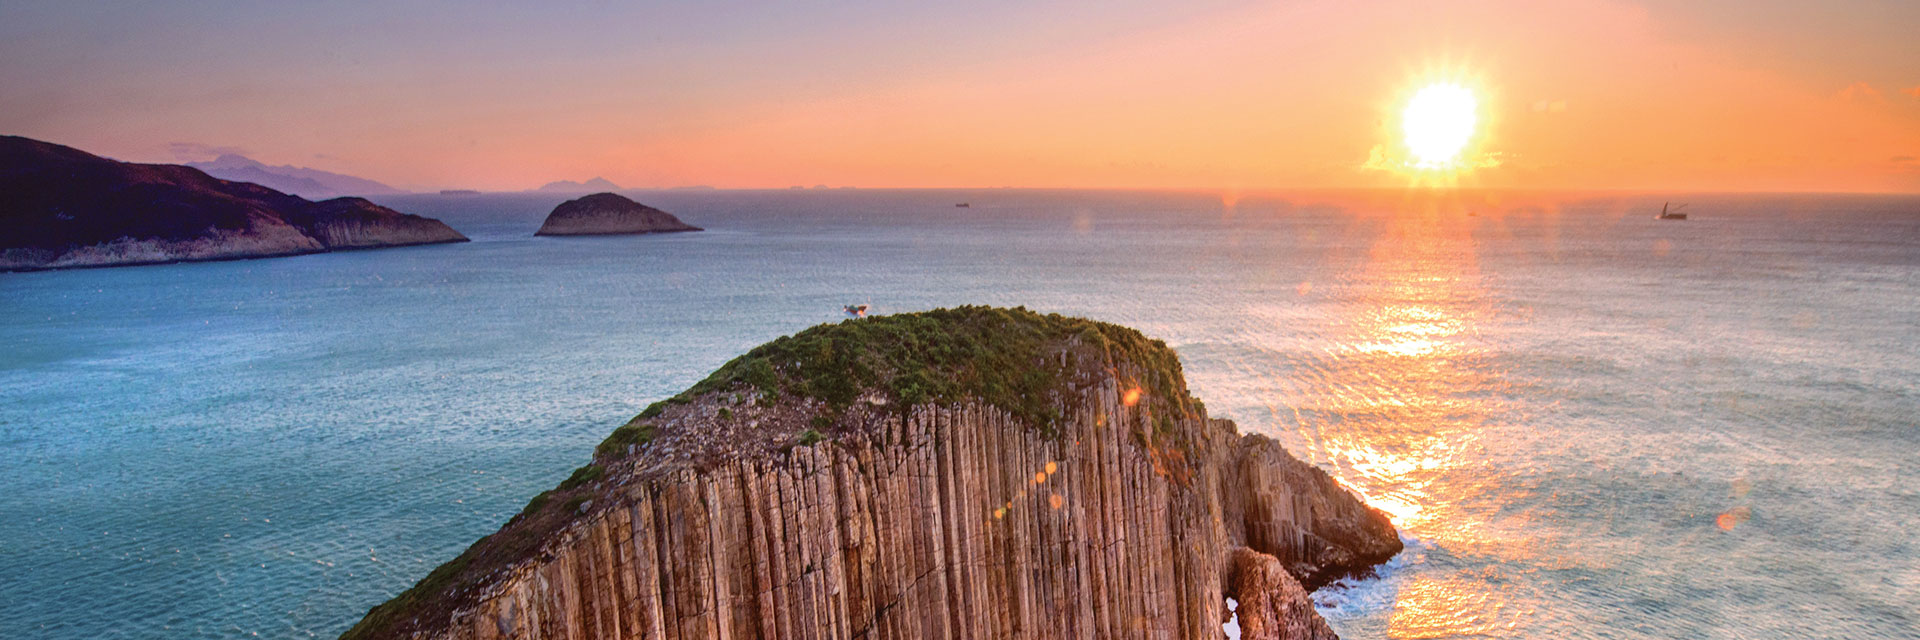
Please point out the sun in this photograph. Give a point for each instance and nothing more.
(1438, 122)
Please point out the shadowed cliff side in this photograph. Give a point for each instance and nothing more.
(958, 473)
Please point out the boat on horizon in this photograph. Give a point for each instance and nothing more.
(1674, 214)
(963, 205)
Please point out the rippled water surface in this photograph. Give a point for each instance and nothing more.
(1588, 423)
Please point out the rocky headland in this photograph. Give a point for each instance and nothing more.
(959, 473)
(62, 207)
(608, 214)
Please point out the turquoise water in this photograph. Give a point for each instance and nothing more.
(1588, 423)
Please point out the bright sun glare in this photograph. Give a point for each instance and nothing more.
(1438, 123)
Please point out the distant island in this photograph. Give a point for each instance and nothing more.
(965, 473)
(608, 214)
(569, 186)
(63, 207)
(299, 181)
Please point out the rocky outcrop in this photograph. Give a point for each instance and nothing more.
(1272, 605)
(356, 223)
(608, 214)
(62, 207)
(894, 478)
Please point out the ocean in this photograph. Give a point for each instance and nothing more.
(1587, 423)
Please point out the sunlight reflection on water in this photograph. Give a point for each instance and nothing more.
(1400, 394)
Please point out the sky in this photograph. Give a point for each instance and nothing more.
(1751, 95)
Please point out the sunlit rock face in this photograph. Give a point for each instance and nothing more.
(1272, 604)
(763, 505)
(608, 214)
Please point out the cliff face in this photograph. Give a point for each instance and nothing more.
(356, 223)
(607, 214)
(62, 207)
(757, 507)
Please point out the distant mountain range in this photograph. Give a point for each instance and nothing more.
(568, 186)
(299, 181)
(317, 184)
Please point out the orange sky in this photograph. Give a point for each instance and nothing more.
(1573, 94)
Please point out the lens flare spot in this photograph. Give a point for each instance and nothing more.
(1132, 397)
(1056, 501)
(1733, 518)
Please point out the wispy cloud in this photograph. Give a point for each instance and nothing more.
(1859, 91)
(1384, 158)
(194, 151)
(1912, 91)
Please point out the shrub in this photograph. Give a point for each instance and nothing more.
(632, 433)
(582, 476)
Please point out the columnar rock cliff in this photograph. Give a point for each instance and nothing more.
(608, 214)
(63, 207)
(829, 485)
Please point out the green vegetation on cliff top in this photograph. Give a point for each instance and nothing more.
(1015, 359)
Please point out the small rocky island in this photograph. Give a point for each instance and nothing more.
(608, 214)
(959, 473)
(62, 207)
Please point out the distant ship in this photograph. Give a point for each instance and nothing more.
(964, 205)
(459, 192)
(1673, 214)
(856, 310)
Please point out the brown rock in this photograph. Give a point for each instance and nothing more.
(1272, 605)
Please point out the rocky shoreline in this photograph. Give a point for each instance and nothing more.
(874, 479)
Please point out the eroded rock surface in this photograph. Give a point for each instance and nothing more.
(1272, 604)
